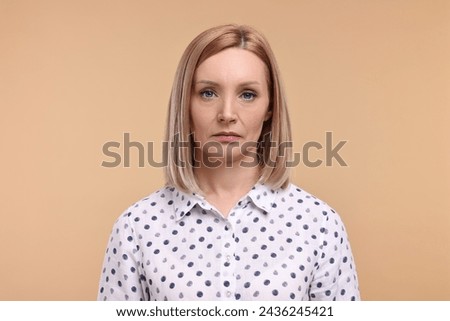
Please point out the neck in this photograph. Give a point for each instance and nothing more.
(223, 181)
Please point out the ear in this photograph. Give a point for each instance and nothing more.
(268, 115)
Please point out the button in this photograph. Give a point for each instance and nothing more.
(228, 293)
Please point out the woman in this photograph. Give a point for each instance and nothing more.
(228, 225)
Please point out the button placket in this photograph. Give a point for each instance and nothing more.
(228, 266)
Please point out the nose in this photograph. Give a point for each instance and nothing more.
(227, 113)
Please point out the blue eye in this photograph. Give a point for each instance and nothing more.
(248, 95)
(208, 94)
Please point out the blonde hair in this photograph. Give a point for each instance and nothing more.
(277, 129)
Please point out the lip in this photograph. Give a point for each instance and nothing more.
(227, 137)
(227, 134)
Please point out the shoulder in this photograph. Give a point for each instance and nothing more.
(312, 215)
(296, 194)
(152, 205)
(295, 198)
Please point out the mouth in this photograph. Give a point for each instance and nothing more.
(227, 136)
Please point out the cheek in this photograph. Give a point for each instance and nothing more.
(254, 126)
(256, 120)
(194, 117)
(199, 123)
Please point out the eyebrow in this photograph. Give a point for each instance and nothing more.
(213, 83)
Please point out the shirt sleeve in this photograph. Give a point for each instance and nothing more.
(335, 277)
(122, 277)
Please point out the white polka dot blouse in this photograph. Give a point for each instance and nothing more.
(280, 244)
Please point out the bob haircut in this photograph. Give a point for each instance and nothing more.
(276, 131)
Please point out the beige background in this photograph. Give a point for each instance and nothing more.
(76, 74)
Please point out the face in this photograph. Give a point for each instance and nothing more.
(230, 101)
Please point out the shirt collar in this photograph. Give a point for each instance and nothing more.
(261, 195)
(183, 202)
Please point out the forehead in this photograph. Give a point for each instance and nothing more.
(232, 64)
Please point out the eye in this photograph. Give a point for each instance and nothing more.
(207, 94)
(248, 95)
